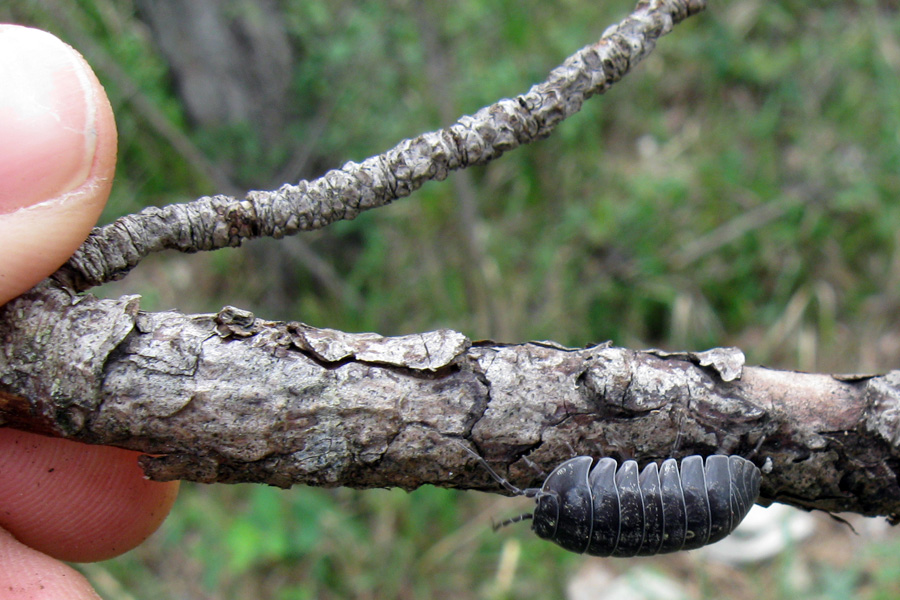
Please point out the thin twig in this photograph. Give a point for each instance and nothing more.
(220, 221)
(129, 91)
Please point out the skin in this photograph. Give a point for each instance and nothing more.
(59, 500)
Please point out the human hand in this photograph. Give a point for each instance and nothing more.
(59, 500)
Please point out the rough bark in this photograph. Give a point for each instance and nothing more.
(227, 397)
(221, 221)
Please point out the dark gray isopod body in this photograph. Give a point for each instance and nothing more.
(607, 511)
(610, 511)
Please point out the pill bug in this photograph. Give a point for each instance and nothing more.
(612, 510)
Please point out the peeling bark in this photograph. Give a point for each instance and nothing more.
(230, 398)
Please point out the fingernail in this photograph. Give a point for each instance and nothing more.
(48, 112)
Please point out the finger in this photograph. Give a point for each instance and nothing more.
(77, 502)
(26, 573)
(57, 157)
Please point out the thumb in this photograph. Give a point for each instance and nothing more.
(57, 155)
(30, 574)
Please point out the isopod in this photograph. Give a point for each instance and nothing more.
(611, 510)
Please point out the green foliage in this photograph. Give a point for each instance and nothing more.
(739, 187)
(252, 541)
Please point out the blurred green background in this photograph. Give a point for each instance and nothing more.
(738, 188)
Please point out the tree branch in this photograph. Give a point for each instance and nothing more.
(230, 398)
(214, 222)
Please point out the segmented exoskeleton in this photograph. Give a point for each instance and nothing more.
(611, 510)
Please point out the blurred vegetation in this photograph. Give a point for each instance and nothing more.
(738, 188)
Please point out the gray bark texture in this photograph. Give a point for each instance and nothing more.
(228, 397)
(210, 223)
